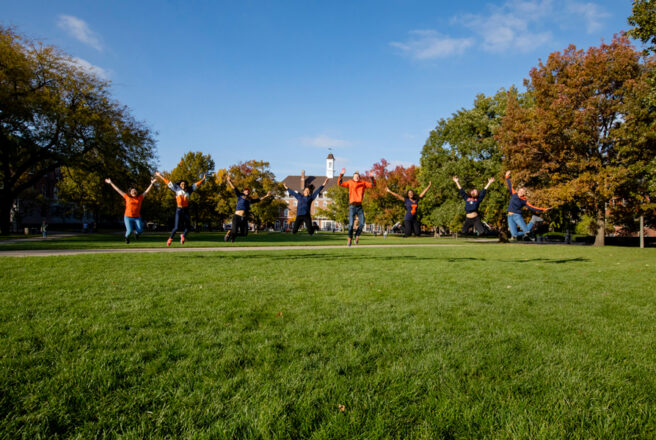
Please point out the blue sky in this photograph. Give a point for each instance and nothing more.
(283, 81)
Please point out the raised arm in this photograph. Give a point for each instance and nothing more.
(510, 187)
(373, 182)
(423, 193)
(152, 182)
(394, 194)
(339, 179)
(108, 180)
(230, 182)
(170, 184)
(195, 186)
(489, 182)
(291, 191)
(318, 190)
(457, 182)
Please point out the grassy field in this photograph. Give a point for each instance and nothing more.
(210, 239)
(473, 341)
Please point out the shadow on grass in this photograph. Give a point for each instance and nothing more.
(549, 260)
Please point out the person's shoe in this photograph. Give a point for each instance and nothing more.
(357, 239)
(537, 219)
(136, 237)
(169, 241)
(227, 237)
(182, 239)
(127, 240)
(348, 242)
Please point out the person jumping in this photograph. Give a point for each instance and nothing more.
(240, 218)
(304, 208)
(411, 201)
(472, 200)
(132, 214)
(515, 219)
(356, 188)
(182, 194)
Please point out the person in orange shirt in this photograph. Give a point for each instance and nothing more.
(132, 215)
(182, 194)
(356, 188)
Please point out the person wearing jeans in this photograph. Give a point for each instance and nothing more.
(132, 214)
(517, 203)
(356, 188)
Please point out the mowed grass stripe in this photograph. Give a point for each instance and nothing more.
(486, 341)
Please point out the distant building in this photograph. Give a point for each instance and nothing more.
(297, 183)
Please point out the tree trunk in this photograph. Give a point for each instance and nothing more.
(600, 237)
(6, 203)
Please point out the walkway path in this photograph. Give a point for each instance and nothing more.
(62, 252)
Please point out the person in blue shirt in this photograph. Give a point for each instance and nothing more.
(515, 219)
(243, 208)
(472, 201)
(411, 201)
(304, 206)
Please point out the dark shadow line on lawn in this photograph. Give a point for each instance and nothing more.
(549, 260)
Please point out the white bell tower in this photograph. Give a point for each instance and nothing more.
(330, 166)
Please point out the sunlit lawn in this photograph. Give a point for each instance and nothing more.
(474, 341)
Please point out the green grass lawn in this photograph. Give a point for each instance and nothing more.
(209, 239)
(477, 341)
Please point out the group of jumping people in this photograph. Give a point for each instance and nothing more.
(356, 189)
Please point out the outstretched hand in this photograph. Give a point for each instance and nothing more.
(325, 181)
(343, 170)
(158, 174)
(285, 186)
(370, 173)
(507, 174)
(108, 180)
(490, 180)
(153, 180)
(455, 179)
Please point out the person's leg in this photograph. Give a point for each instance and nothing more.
(308, 224)
(138, 226)
(521, 224)
(178, 213)
(416, 227)
(297, 224)
(243, 227)
(360, 213)
(466, 226)
(478, 226)
(351, 215)
(187, 222)
(128, 226)
(512, 225)
(407, 228)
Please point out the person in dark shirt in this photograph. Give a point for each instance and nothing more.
(240, 218)
(515, 219)
(411, 201)
(472, 201)
(304, 207)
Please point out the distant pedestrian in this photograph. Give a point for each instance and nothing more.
(411, 201)
(243, 209)
(304, 206)
(132, 214)
(182, 195)
(44, 229)
(472, 201)
(356, 188)
(515, 219)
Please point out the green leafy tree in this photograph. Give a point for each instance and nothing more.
(54, 113)
(464, 145)
(587, 139)
(644, 22)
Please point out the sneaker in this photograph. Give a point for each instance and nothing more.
(169, 241)
(537, 219)
(136, 237)
(127, 240)
(182, 239)
(348, 242)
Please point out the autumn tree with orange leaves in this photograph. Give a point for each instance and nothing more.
(586, 140)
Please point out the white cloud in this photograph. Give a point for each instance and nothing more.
(509, 26)
(593, 14)
(323, 141)
(79, 30)
(90, 68)
(429, 44)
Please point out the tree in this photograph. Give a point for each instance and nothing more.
(464, 145)
(644, 22)
(587, 139)
(53, 113)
